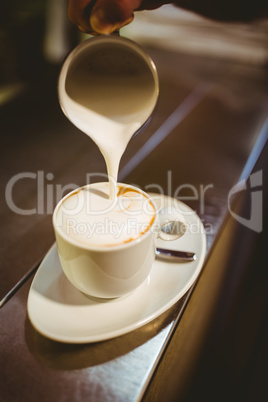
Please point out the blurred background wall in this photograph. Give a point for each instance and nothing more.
(34, 34)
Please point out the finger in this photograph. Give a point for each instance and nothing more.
(79, 13)
(110, 15)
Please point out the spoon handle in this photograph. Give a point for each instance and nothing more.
(175, 255)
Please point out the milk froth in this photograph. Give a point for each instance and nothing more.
(91, 218)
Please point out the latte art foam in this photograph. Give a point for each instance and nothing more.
(91, 218)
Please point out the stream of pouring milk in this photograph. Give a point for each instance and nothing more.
(110, 92)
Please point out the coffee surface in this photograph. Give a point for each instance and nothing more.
(90, 217)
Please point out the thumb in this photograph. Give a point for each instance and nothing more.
(108, 16)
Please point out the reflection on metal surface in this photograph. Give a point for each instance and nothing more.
(179, 114)
(9, 92)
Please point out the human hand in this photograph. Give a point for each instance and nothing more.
(107, 16)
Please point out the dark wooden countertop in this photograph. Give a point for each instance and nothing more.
(210, 115)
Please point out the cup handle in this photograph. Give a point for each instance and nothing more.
(172, 224)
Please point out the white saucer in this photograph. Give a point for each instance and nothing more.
(61, 312)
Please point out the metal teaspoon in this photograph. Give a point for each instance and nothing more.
(175, 255)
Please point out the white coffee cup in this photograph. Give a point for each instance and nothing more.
(98, 262)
